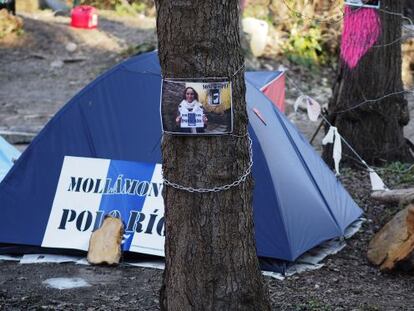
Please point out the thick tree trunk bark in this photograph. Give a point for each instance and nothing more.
(211, 262)
(374, 129)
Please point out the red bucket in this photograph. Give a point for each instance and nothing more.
(84, 16)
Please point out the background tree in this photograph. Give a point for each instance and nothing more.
(211, 262)
(370, 68)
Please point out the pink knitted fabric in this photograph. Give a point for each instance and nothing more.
(362, 29)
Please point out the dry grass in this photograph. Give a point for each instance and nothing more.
(10, 25)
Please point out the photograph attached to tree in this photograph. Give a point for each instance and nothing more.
(364, 3)
(196, 108)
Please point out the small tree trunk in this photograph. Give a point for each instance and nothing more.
(374, 129)
(211, 262)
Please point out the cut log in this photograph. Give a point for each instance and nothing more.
(392, 196)
(105, 243)
(394, 243)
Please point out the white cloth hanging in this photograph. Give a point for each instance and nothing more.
(313, 108)
(376, 182)
(298, 101)
(333, 137)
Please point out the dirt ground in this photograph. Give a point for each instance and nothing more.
(346, 282)
(39, 74)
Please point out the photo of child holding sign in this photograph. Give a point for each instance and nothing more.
(191, 117)
(196, 108)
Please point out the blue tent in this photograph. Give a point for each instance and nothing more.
(8, 154)
(298, 202)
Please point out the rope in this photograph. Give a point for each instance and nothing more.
(326, 120)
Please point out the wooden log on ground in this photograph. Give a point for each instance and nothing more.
(392, 196)
(394, 243)
(105, 243)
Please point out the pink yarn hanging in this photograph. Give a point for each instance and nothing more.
(362, 29)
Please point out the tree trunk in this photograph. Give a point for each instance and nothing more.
(375, 128)
(211, 262)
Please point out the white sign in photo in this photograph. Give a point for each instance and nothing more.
(375, 4)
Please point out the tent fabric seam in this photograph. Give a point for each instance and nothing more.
(273, 80)
(310, 175)
(274, 186)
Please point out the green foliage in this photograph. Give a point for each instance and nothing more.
(257, 10)
(303, 46)
(129, 7)
(138, 49)
(398, 173)
(313, 305)
(102, 4)
(139, 7)
(308, 29)
(368, 307)
(122, 7)
(10, 24)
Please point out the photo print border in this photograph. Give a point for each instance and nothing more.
(202, 107)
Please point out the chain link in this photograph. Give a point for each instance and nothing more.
(235, 183)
